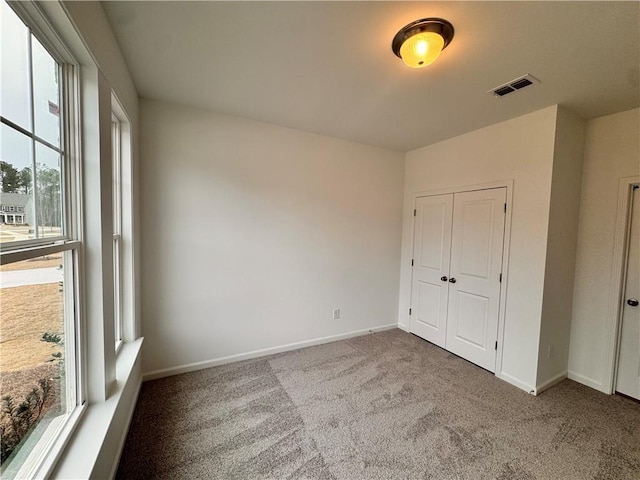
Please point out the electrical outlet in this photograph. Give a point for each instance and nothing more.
(336, 313)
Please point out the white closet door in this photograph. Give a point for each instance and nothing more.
(628, 380)
(474, 288)
(431, 255)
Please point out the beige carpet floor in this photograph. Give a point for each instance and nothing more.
(384, 406)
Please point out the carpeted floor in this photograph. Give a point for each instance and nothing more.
(384, 406)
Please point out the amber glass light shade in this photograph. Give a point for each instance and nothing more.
(419, 43)
(421, 49)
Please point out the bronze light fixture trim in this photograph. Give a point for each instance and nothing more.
(420, 43)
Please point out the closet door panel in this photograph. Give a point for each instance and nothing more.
(431, 257)
(476, 262)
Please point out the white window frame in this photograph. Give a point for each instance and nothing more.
(105, 376)
(40, 460)
(116, 159)
(124, 266)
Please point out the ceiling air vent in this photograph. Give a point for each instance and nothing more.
(514, 85)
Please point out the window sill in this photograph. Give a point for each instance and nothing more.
(94, 448)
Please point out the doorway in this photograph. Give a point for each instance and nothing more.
(628, 371)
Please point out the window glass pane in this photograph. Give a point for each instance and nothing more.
(32, 354)
(48, 192)
(117, 211)
(116, 176)
(46, 94)
(117, 291)
(17, 186)
(14, 63)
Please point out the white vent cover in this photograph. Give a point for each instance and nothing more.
(514, 85)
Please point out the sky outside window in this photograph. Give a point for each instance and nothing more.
(15, 94)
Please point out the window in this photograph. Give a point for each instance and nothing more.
(122, 201)
(39, 251)
(56, 177)
(116, 158)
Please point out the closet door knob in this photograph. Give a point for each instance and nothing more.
(632, 302)
(452, 280)
(444, 278)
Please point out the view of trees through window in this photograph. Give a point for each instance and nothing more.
(36, 311)
(14, 180)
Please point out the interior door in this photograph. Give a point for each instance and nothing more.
(628, 379)
(431, 256)
(475, 275)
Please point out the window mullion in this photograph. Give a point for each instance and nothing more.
(73, 210)
(73, 177)
(62, 162)
(33, 129)
(29, 134)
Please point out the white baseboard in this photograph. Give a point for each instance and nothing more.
(516, 383)
(550, 382)
(589, 382)
(404, 327)
(192, 367)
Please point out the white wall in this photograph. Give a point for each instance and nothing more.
(253, 233)
(612, 151)
(520, 149)
(561, 248)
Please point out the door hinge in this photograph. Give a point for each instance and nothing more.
(496, 345)
(412, 262)
(500, 278)
(409, 311)
(414, 212)
(505, 208)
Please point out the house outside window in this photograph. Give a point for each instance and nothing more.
(19, 203)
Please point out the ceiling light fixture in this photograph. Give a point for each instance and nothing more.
(420, 43)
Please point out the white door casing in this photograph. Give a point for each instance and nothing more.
(475, 275)
(628, 377)
(431, 256)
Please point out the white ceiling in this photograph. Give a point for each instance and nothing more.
(327, 67)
